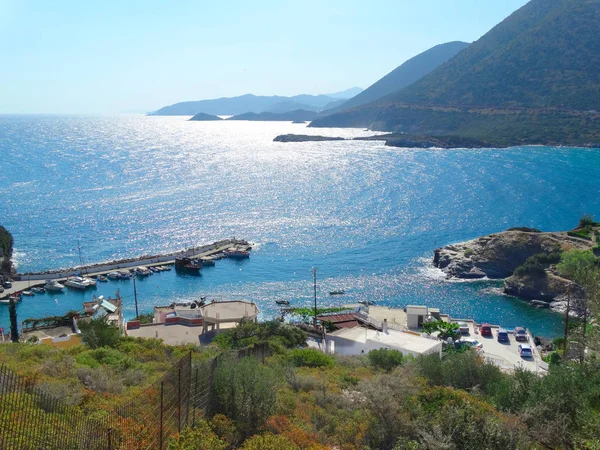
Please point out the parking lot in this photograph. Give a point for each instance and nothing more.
(505, 354)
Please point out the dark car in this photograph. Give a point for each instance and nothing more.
(503, 335)
(7, 285)
(485, 329)
(521, 334)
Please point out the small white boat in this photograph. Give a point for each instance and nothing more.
(102, 278)
(114, 275)
(124, 274)
(53, 285)
(27, 293)
(142, 271)
(38, 290)
(80, 282)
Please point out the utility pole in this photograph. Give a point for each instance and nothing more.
(567, 319)
(314, 271)
(137, 314)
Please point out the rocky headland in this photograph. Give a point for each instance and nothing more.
(304, 138)
(499, 255)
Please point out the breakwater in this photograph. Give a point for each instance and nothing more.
(167, 258)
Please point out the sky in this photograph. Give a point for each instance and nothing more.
(125, 56)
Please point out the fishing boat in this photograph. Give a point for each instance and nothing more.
(113, 275)
(53, 285)
(282, 302)
(102, 278)
(124, 274)
(188, 265)
(236, 253)
(366, 302)
(27, 293)
(207, 261)
(337, 292)
(38, 290)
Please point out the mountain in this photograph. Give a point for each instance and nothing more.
(290, 105)
(229, 106)
(205, 117)
(299, 115)
(405, 74)
(534, 78)
(348, 93)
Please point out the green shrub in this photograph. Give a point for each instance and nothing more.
(99, 333)
(469, 252)
(575, 262)
(587, 220)
(309, 357)
(535, 265)
(525, 229)
(245, 391)
(146, 318)
(200, 437)
(276, 335)
(385, 359)
(269, 441)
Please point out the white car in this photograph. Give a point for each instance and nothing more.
(472, 343)
(525, 351)
(463, 328)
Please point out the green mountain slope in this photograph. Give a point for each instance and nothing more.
(534, 78)
(405, 74)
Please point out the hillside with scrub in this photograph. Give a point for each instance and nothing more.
(289, 397)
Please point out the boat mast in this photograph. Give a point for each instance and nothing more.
(314, 271)
(80, 258)
(137, 314)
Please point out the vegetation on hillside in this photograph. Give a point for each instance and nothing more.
(6, 245)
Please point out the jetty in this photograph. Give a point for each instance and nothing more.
(213, 251)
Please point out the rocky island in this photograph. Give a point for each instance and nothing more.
(205, 117)
(524, 258)
(395, 140)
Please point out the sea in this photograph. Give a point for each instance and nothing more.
(367, 216)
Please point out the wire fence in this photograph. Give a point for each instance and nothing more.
(30, 418)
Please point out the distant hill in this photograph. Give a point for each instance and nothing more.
(534, 78)
(405, 74)
(205, 117)
(229, 106)
(291, 116)
(348, 93)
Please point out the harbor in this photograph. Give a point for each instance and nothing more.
(206, 255)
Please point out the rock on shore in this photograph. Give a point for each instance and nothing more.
(304, 138)
(496, 256)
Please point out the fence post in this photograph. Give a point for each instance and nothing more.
(110, 439)
(195, 400)
(179, 398)
(160, 438)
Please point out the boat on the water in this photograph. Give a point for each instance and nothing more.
(27, 293)
(124, 274)
(142, 271)
(236, 253)
(282, 302)
(340, 292)
(53, 285)
(80, 282)
(366, 302)
(188, 265)
(207, 261)
(102, 278)
(113, 275)
(38, 290)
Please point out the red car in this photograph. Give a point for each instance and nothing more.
(485, 329)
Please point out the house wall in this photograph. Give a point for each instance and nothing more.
(343, 346)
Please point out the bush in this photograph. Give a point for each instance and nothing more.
(201, 437)
(309, 357)
(245, 392)
(535, 264)
(576, 262)
(525, 229)
(385, 359)
(587, 220)
(469, 252)
(146, 318)
(276, 335)
(269, 441)
(99, 333)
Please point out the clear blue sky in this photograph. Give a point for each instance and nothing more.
(108, 56)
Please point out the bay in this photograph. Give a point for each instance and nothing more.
(368, 216)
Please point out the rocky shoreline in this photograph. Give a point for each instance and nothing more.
(394, 140)
(497, 256)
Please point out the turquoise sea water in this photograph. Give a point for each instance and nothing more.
(368, 216)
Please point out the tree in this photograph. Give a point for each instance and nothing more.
(574, 263)
(444, 329)
(99, 333)
(14, 329)
(276, 335)
(586, 221)
(385, 359)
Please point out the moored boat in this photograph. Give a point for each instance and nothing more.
(80, 282)
(188, 265)
(113, 275)
(38, 290)
(102, 278)
(340, 292)
(27, 293)
(53, 285)
(282, 302)
(236, 253)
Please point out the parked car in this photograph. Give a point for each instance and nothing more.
(525, 351)
(463, 328)
(503, 335)
(472, 343)
(485, 329)
(7, 285)
(1, 289)
(520, 334)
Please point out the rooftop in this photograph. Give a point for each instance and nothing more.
(393, 338)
